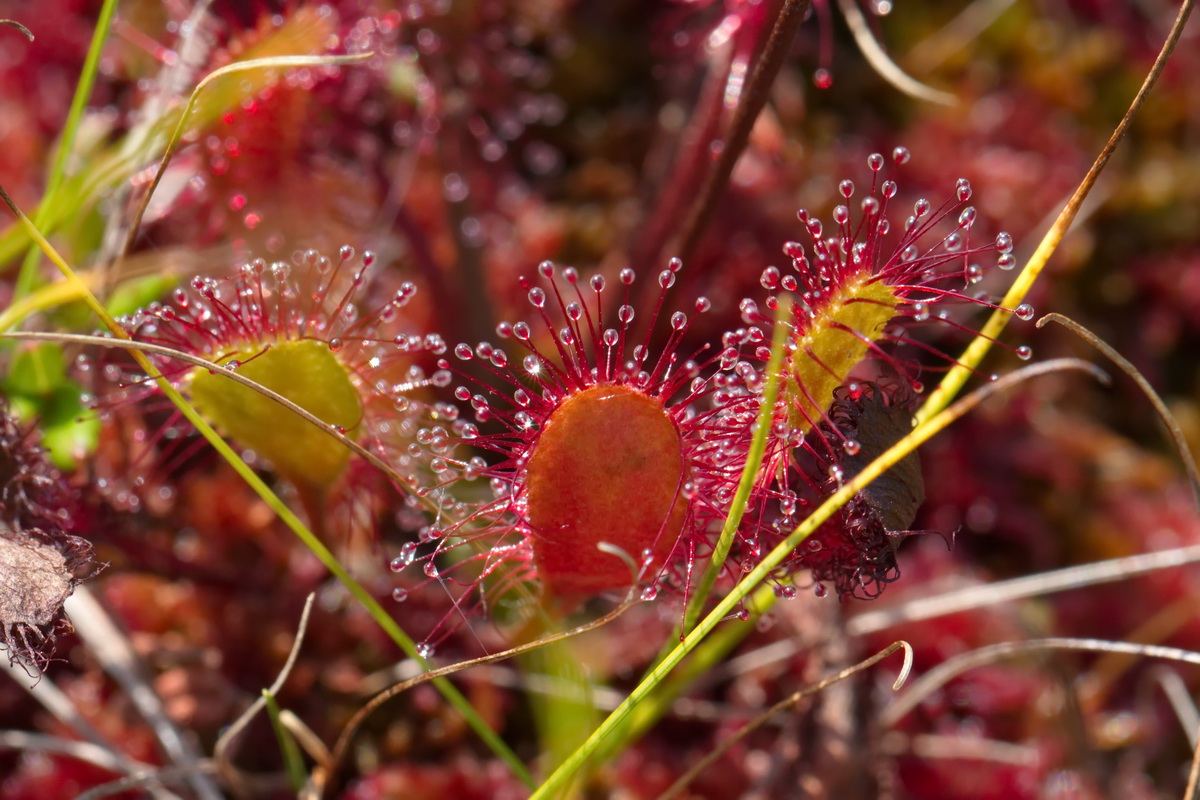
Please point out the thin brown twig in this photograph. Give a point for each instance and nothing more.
(953, 667)
(12, 23)
(1164, 413)
(882, 63)
(954, 380)
(788, 702)
(1193, 774)
(222, 753)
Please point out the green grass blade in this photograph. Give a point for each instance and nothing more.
(27, 277)
(293, 761)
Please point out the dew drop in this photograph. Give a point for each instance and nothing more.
(649, 592)
(851, 446)
(597, 282)
(399, 595)
(1024, 311)
(679, 321)
(627, 276)
(537, 297)
(901, 155)
(963, 190)
(703, 304)
(425, 650)
(463, 351)
(1024, 352)
(822, 79)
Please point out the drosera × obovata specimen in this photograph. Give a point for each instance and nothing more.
(307, 330)
(609, 460)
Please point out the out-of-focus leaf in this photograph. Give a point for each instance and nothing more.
(131, 296)
(36, 371)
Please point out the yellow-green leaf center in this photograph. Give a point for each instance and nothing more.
(306, 373)
(835, 340)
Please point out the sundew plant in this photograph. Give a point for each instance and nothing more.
(599, 400)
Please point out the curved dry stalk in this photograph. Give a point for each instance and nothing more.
(1194, 774)
(273, 62)
(1180, 698)
(956, 747)
(788, 702)
(149, 779)
(102, 757)
(883, 64)
(953, 667)
(324, 774)
(1061, 580)
(114, 651)
(1164, 413)
(12, 23)
(222, 754)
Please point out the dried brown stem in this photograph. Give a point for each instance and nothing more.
(323, 776)
(758, 88)
(222, 752)
(788, 702)
(1164, 413)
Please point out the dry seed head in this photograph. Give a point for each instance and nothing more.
(40, 561)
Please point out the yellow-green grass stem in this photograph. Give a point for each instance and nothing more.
(954, 380)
